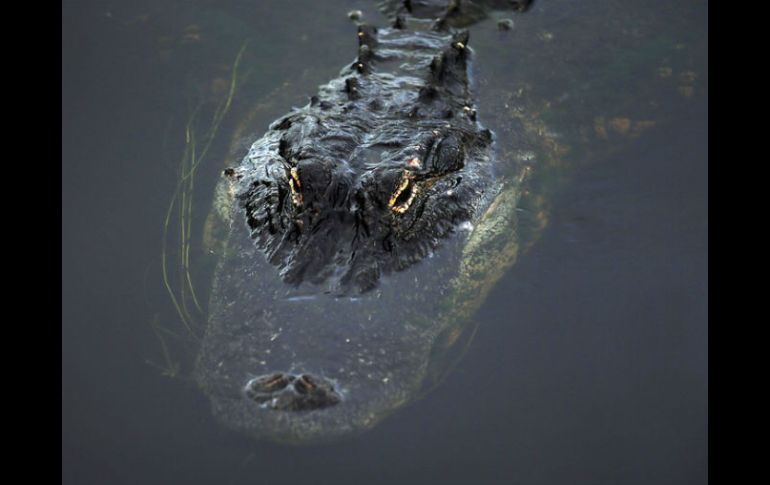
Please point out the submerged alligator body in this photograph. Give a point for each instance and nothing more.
(453, 13)
(362, 231)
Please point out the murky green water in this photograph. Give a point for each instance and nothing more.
(590, 363)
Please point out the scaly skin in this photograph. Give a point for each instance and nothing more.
(371, 353)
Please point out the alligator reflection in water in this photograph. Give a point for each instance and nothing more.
(359, 235)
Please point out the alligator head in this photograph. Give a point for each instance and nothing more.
(375, 170)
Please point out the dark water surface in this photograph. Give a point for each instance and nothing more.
(590, 363)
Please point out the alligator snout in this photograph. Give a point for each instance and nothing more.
(287, 392)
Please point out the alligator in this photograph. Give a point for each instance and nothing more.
(359, 235)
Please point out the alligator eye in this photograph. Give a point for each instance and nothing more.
(295, 186)
(404, 194)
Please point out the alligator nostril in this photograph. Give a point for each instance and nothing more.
(271, 383)
(305, 384)
(263, 388)
(273, 391)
